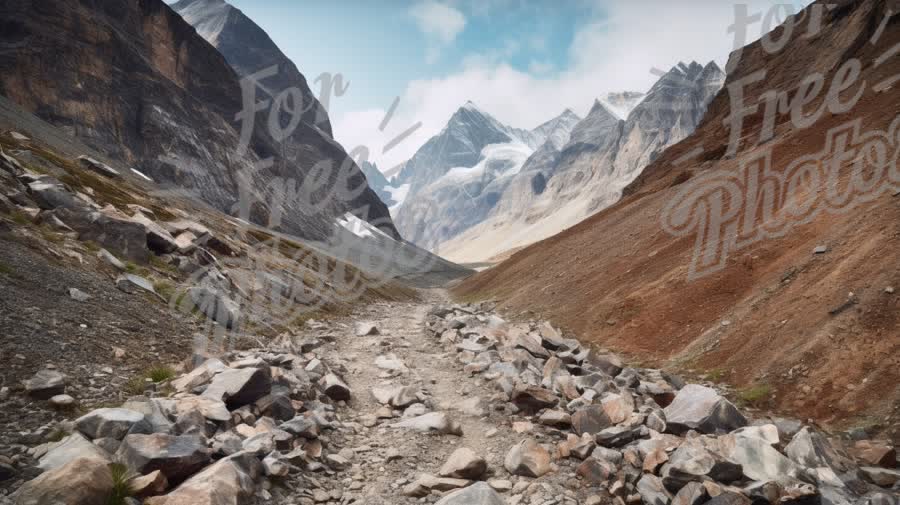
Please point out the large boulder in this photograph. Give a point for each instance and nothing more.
(230, 481)
(159, 240)
(84, 481)
(45, 384)
(810, 448)
(177, 457)
(239, 387)
(49, 193)
(692, 462)
(527, 459)
(112, 423)
(700, 408)
(73, 447)
(758, 459)
(199, 376)
(479, 493)
(652, 490)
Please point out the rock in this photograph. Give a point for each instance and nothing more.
(152, 484)
(277, 406)
(527, 459)
(874, 453)
(820, 249)
(758, 459)
(811, 449)
(701, 408)
(474, 406)
(215, 305)
(62, 402)
(365, 329)
(83, 481)
(177, 457)
(596, 471)
(610, 364)
(239, 387)
(765, 432)
(531, 399)
(390, 362)
(501, 485)
(121, 236)
(883, 477)
(186, 242)
(106, 256)
(654, 460)
(591, 419)
(98, 167)
(131, 284)
(335, 388)
(432, 422)
(45, 384)
(556, 419)
(259, 444)
(49, 193)
(464, 464)
(399, 397)
(693, 493)
(652, 491)
(230, 481)
(78, 295)
(73, 447)
(112, 423)
(692, 462)
(199, 376)
(618, 407)
(729, 498)
(425, 484)
(211, 408)
(301, 426)
(476, 494)
(274, 467)
(617, 436)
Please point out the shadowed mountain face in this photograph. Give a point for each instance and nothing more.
(136, 82)
(249, 50)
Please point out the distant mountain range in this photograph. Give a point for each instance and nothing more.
(480, 187)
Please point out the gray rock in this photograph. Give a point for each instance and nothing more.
(464, 463)
(703, 409)
(596, 471)
(425, 484)
(301, 426)
(531, 399)
(112, 423)
(556, 419)
(335, 388)
(692, 462)
(811, 449)
(527, 459)
(97, 167)
(152, 484)
(121, 236)
(432, 422)
(884, 477)
(591, 419)
(215, 305)
(273, 466)
(177, 457)
(73, 447)
(131, 283)
(239, 387)
(693, 493)
(106, 256)
(45, 384)
(366, 328)
(78, 295)
(49, 193)
(479, 493)
(652, 490)
(62, 402)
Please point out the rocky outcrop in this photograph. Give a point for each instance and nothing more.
(173, 118)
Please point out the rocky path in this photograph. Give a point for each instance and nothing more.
(431, 402)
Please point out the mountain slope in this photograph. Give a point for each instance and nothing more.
(588, 173)
(136, 82)
(775, 317)
(249, 50)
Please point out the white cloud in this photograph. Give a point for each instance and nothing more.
(439, 22)
(613, 53)
(539, 67)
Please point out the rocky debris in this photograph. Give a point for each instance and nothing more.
(79, 482)
(116, 263)
(131, 283)
(73, 447)
(117, 234)
(78, 295)
(874, 453)
(230, 481)
(464, 463)
(46, 384)
(112, 423)
(159, 240)
(700, 408)
(425, 484)
(527, 459)
(62, 402)
(335, 388)
(215, 305)
(49, 193)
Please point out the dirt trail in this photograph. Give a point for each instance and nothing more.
(448, 388)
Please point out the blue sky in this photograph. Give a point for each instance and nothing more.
(523, 61)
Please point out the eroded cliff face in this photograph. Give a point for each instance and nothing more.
(135, 81)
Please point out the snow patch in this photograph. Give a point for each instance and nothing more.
(359, 227)
(497, 160)
(398, 194)
(142, 175)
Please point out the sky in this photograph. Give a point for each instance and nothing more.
(522, 61)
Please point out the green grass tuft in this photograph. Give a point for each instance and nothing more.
(121, 490)
(161, 373)
(756, 395)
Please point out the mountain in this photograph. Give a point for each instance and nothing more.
(563, 185)
(690, 269)
(136, 82)
(249, 49)
(621, 103)
(378, 182)
(458, 176)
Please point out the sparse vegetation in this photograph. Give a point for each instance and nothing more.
(20, 218)
(716, 374)
(160, 373)
(164, 289)
(121, 490)
(756, 396)
(135, 386)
